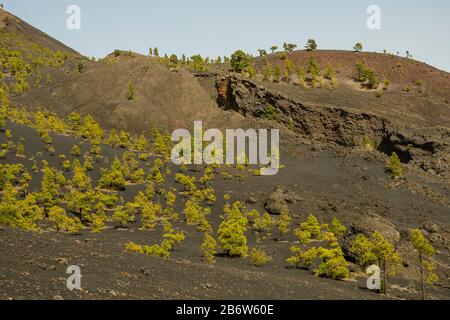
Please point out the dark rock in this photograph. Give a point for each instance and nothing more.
(352, 267)
(252, 199)
(438, 238)
(206, 285)
(331, 125)
(374, 222)
(276, 203)
(431, 228)
(45, 266)
(144, 271)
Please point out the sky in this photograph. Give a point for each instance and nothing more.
(214, 28)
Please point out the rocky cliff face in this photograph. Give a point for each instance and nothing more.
(427, 148)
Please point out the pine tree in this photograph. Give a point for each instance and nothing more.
(311, 45)
(80, 203)
(334, 265)
(113, 139)
(98, 218)
(360, 67)
(48, 195)
(284, 224)
(313, 67)
(88, 164)
(155, 173)
(262, 52)
(337, 227)
(150, 213)
(329, 73)
(91, 130)
(289, 47)
(264, 223)
(312, 226)
(123, 216)
(358, 47)
(140, 143)
(171, 236)
(370, 77)
(289, 69)
(301, 76)
(387, 256)
(16, 213)
(231, 233)
(113, 178)
(364, 251)
(80, 180)
(240, 61)
(302, 258)
(258, 257)
(209, 248)
(277, 74)
(124, 138)
(395, 165)
(20, 150)
(187, 181)
(267, 72)
(131, 95)
(208, 176)
(62, 222)
(425, 251)
(193, 212)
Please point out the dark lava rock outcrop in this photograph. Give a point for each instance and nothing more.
(427, 148)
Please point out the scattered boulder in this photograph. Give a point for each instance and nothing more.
(431, 228)
(374, 222)
(144, 271)
(45, 266)
(367, 226)
(251, 199)
(437, 238)
(278, 200)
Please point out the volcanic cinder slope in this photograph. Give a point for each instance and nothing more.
(327, 172)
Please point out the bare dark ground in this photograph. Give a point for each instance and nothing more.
(326, 183)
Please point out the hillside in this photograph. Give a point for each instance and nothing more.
(86, 176)
(11, 23)
(164, 99)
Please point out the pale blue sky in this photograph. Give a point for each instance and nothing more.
(215, 28)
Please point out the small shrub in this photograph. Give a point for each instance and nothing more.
(334, 265)
(209, 248)
(131, 95)
(76, 151)
(231, 233)
(270, 112)
(62, 222)
(258, 257)
(395, 165)
(123, 216)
